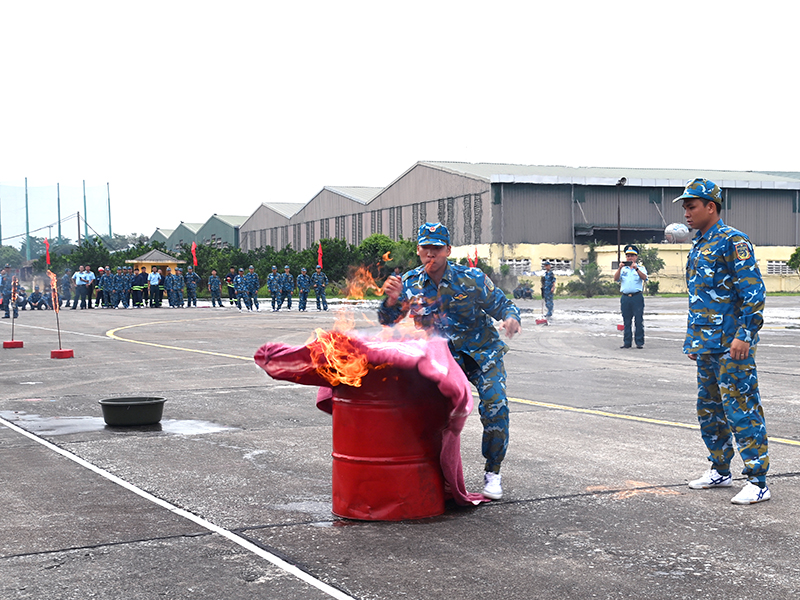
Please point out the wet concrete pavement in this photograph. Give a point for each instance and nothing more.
(237, 477)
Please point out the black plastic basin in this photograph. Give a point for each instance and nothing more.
(124, 412)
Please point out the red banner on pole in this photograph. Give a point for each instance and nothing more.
(194, 253)
(319, 254)
(47, 246)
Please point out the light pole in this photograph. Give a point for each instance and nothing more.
(622, 181)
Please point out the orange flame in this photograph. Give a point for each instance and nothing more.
(53, 288)
(337, 359)
(359, 281)
(387, 257)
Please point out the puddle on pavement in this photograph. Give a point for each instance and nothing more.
(69, 425)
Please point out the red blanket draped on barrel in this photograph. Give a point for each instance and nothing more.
(428, 361)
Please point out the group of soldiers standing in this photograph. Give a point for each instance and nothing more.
(281, 287)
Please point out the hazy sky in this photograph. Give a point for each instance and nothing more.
(195, 108)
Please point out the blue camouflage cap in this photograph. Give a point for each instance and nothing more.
(703, 189)
(274, 268)
(433, 234)
(286, 267)
(303, 270)
(241, 269)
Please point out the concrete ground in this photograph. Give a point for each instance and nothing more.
(230, 495)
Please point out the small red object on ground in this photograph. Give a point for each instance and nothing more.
(541, 321)
(65, 353)
(13, 344)
(620, 327)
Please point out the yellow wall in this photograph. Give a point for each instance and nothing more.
(670, 278)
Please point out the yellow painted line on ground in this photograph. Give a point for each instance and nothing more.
(112, 334)
(587, 411)
(603, 413)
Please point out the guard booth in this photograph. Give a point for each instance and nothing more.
(156, 258)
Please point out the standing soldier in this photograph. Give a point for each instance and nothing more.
(91, 281)
(726, 312)
(107, 284)
(65, 283)
(253, 285)
(548, 287)
(287, 287)
(192, 279)
(116, 288)
(136, 288)
(229, 284)
(214, 285)
(168, 288)
(303, 286)
(319, 282)
(177, 287)
(99, 285)
(240, 283)
(127, 284)
(154, 282)
(274, 285)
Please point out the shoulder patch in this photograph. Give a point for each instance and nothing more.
(742, 250)
(489, 284)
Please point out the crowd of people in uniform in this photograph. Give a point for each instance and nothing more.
(130, 287)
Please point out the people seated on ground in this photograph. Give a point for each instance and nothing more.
(523, 291)
(22, 298)
(37, 300)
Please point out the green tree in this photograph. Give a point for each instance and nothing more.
(650, 259)
(591, 282)
(11, 256)
(794, 260)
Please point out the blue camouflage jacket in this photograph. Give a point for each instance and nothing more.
(461, 309)
(252, 281)
(303, 283)
(287, 282)
(274, 282)
(726, 291)
(214, 283)
(240, 283)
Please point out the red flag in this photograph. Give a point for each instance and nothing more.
(47, 245)
(319, 254)
(194, 253)
(472, 262)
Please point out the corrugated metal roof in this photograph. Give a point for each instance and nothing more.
(505, 173)
(360, 194)
(155, 256)
(165, 232)
(232, 220)
(193, 227)
(287, 209)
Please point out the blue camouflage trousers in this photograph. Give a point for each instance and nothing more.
(490, 381)
(548, 302)
(728, 408)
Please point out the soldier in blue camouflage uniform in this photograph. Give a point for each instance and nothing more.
(116, 287)
(215, 289)
(168, 288)
(548, 287)
(303, 287)
(65, 285)
(240, 285)
(105, 282)
(192, 279)
(287, 287)
(274, 285)
(177, 287)
(253, 285)
(460, 303)
(127, 282)
(319, 281)
(726, 304)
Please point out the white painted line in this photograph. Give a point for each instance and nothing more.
(63, 331)
(236, 539)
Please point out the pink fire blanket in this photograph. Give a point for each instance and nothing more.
(431, 359)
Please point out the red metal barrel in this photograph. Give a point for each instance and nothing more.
(387, 438)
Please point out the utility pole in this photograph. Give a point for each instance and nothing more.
(108, 190)
(27, 225)
(58, 196)
(85, 224)
(622, 181)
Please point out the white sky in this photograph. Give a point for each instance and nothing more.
(192, 108)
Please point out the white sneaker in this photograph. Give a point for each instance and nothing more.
(711, 479)
(751, 493)
(492, 487)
